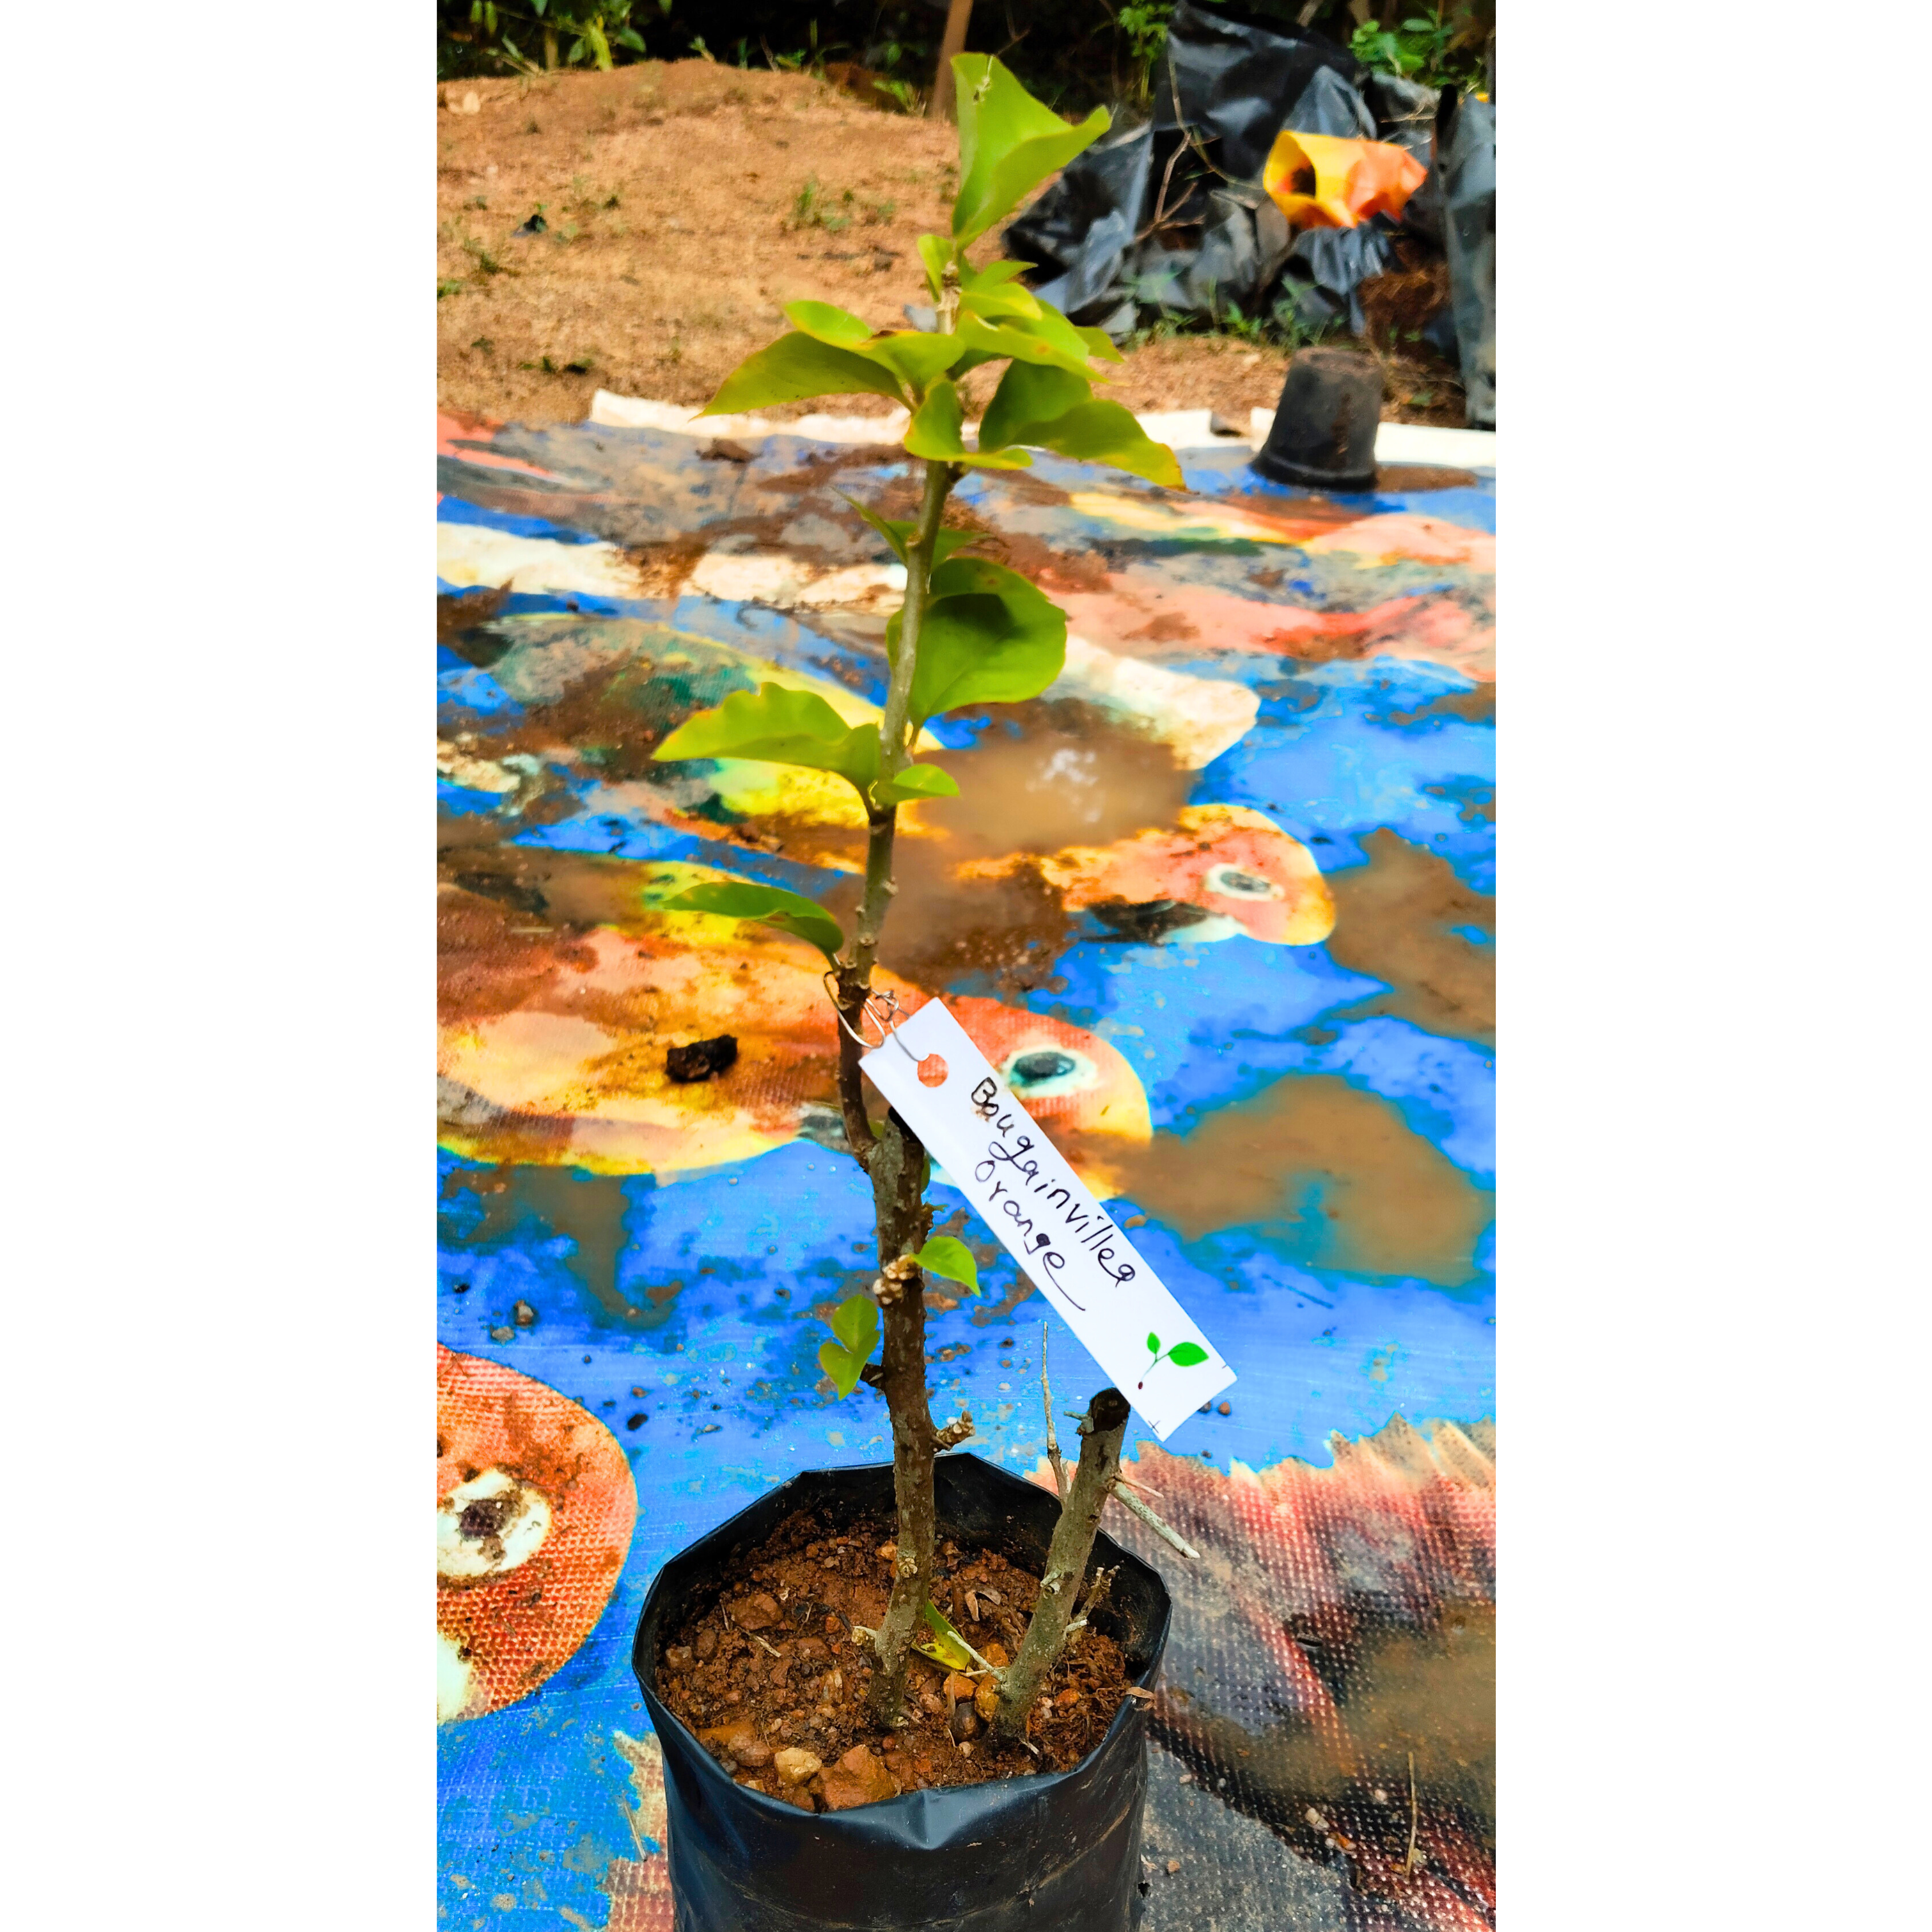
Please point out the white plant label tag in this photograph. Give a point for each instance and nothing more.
(993, 1150)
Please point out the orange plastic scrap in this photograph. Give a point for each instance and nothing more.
(1320, 181)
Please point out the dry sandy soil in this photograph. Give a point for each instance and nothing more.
(683, 205)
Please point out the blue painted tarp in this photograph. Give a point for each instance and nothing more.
(1118, 906)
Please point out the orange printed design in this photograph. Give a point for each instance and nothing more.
(535, 1506)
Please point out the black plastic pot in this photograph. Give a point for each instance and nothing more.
(1062, 1850)
(1323, 437)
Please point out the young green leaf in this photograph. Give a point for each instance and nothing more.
(935, 251)
(992, 274)
(988, 638)
(1008, 141)
(1187, 1355)
(1021, 340)
(855, 1322)
(946, 1645)
(914, 781)
(824, 323)
(899, 536)
(770, 905)
(1029, 393)
(992, 304)
(915, 356)
(944, 1255)
(933, 433)
(798, 366)
(1100, 343)
(844, 1367)
(785, 727)
(1104, 432)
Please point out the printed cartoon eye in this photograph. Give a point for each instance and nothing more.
(1231, 883)
(1042, 1072)
(488, 1525)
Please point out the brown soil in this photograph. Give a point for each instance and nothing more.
(673, 237)
(772, 1670)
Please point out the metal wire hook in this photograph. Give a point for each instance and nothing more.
(887, 1020)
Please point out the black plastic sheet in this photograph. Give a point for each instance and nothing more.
(1466, 147)
(1170, 217)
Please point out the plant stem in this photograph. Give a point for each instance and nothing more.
(855, 975)
(895, 1159)
(898, 1170)
(1100, 1433)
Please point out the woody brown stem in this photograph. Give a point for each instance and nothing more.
(1101, 1431)
(898, 1171)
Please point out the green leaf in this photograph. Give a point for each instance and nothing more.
(988, 638)
(900, 535)
(824, 323)
(943, 1255)
(844, 1367)
(1030, 393)
(1100, 343)
(1188, 1355)
(992, 274)
(947, 1646)
(1021, 341)
(1104, 432)
(992, 304)
(1008, 141)
(783, 728)
(855, 1322)
(796, 367)
(770, 905)
(914, 781)
(1154, 1344)
(934, 433)
(935, 251)
(915, 356)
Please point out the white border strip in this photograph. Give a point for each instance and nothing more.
(1180, 429)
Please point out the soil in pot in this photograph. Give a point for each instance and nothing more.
(770, 1679)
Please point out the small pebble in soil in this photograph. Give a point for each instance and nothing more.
(524, 1315)
(1226, 1408)
(1173, 1866)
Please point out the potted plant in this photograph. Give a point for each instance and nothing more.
(759, 1650)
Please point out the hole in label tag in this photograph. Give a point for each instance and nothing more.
(932, 1071)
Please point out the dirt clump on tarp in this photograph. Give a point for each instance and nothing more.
(772, 1680)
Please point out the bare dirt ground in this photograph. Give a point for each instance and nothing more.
(679, 205)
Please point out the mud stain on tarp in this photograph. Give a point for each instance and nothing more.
(1476, 705)
(1393, 922)
(1326, 1160)
(464, 610)
(494, 953)
(1055, 772)
(1006, 934)
(1045, 775)
(588, 1209)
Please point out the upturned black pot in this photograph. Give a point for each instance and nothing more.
(1061, 1850)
